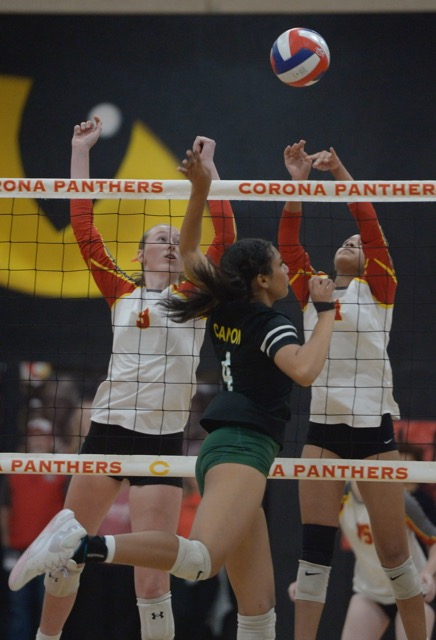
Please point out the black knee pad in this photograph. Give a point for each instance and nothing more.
(319, 543)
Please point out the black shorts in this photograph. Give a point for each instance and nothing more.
(112, 439)
(390, 610)
(355, 443)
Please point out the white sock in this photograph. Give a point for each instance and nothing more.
(110, 543)
(42, 636)
(156, 615)
(261, 627)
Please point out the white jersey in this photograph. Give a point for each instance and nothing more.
(355, 384)
(151, 373)
(369, 578)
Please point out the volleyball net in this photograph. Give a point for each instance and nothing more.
(57, 334)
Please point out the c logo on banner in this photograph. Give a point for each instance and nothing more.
(160, 468)
(40, 260)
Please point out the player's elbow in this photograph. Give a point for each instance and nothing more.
(306, 382)
(303, 366)
(306, 374)
(305, 378)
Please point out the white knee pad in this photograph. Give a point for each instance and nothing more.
(312, 581)
(193, 560)
(62, 582)
(156, 615)
(261, 627)
(404, 580)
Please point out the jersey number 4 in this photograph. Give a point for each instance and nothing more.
(226, 372)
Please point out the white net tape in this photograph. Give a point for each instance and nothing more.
(184, 466)
(310, 190)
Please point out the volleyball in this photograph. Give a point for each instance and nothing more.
(300, 57)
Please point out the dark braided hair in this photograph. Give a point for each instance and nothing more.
(230, 282)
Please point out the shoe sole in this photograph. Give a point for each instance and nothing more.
(17, 577)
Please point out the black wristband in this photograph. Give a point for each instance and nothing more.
(324, 306)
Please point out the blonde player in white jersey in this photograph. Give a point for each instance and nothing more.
(142, 406)
(352, 402)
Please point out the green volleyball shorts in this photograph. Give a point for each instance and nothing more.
(239, 445)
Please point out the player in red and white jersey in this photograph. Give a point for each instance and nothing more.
(373, 604)
(355, 386)
(352, 404)
(142, 406)
(152, 368)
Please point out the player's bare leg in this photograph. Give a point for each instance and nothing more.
(388, 516)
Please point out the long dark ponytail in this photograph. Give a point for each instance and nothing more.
(230, 282)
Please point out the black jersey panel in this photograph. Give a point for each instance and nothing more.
(256, 392)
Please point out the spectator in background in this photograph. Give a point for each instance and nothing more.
(51, 394)
(60, 397)
(27, 504)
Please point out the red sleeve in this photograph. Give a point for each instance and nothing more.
(223, 222)
(111, 281)
(379, 271)
(294, 256)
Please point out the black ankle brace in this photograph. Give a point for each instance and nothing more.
(91, 549)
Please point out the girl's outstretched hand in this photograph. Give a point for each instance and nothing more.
(297, 160)
(325, 160)
(196, 170)
(87, 133)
